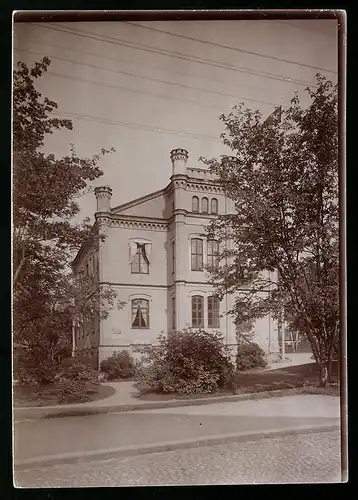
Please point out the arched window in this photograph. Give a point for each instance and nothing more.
(213, 253)
(196, 254)
(204, 205)
(140, 313)
(214, 206)
(213, 312)
(197, 311)
(195, 204)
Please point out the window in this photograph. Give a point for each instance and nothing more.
(204, 205)
(213, 253)
(140, 313)
(197, 311)
(214, 206)
(195, 204)
(97, 266)
(173, 309)
(196, 254)
(140, 263)
(213, 312)
(173, 257)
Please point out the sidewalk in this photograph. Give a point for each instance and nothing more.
(122, 434)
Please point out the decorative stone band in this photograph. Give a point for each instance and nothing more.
(208, 188)
(103, 192)
(179, 154)
(197, 186)
(130, 224)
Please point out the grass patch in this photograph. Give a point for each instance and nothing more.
(303, 377)
(47, 395)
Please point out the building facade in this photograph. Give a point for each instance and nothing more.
(154, 255)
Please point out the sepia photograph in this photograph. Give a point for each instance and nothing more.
(178, 311)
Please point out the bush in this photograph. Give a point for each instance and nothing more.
(77, 369)
(76, 391)
(78, 380)
(32, 367)
(187, 362)
(249, 356)
(119, 365)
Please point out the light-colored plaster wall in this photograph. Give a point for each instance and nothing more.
(116, 267)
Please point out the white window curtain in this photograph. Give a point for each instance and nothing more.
(133, 249)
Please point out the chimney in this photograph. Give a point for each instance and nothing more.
(179, 159)
(103, 196)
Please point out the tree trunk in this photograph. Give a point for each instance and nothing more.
(323, 374)
(329, 368)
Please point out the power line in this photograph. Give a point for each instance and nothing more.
(182, 85)
(126, 89)
(136, 126)
(207, 42)
(301, 28)
(158, 68)
(176, 55)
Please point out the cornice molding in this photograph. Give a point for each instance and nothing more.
(137, 224)
(204, 187)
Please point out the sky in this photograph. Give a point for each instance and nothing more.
(147, 88)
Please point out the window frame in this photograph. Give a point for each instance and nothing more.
(173, 313)
(147, 302)
(173, 256)
(197, 255)
(196, 200)
(197, 305)
(204, 200)
(214, 311)
(216, 211)
(141, 257)
(212, 257)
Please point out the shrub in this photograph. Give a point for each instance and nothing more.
(78, 380)
(119, 365)
(249, 356)
(78, 370)
(76, 391)
(31, 367)
(187, 362)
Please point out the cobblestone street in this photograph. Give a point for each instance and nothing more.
(301, 458)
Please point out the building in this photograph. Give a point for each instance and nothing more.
(154, 255)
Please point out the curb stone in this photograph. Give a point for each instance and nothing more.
(38, 413)
(35, 413)
(129, 451)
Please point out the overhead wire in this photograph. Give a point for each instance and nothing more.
(119, 123)
(173, 54)
(215, 44)
(141, 64)
(127, 73)
(127, 89)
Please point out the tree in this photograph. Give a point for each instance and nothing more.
(283, 181)
(45, 238)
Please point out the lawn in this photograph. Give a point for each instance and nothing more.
(46, 395)
(301, 376)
